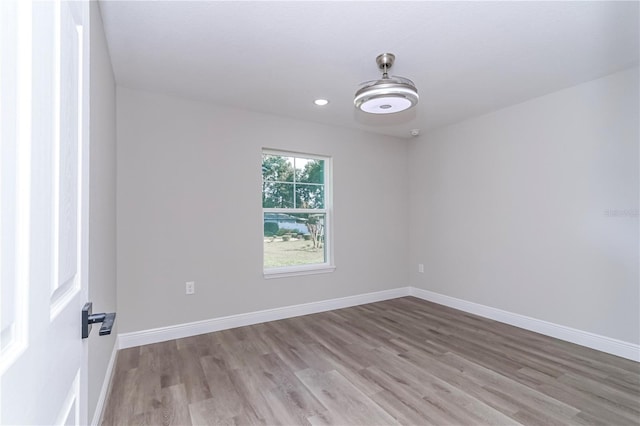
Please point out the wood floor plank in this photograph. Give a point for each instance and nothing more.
(406, 404)
(590, 404)
(208, 412)
(441, 394)
(119, 408)
(536, 401)
(249, 384)
(286, 385)
(172, 411)
(336, 362)
(287, 349)
(405, 410)
(449, 374)
(620, 399)
(401, 361)
(192, 375)
(175, 406)
(343, 399)
(224, 401)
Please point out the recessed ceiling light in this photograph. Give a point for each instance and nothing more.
(321, 102)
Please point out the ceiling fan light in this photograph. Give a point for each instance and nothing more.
(389, 94)
(385, 105)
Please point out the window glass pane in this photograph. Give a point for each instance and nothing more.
(293, 239)
(277, 168)
(277, 194)
(309, 170)
(309, 196)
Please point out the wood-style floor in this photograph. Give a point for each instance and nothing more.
(402, 361)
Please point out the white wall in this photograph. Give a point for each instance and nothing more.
(510, 209)
(102, 203)
(187, 170)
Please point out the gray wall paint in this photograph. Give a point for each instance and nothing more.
(510, 209)
(102, 203)
(507, 209)
(187, 170)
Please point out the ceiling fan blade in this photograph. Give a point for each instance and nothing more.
(402, 80)
(391, 79)
(367, 83)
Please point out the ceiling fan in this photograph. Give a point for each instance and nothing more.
(387, 95)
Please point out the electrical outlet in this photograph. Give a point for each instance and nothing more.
(190, 287)
(421, 268)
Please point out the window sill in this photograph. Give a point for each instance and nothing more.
(297, 271)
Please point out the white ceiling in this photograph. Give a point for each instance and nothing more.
(466, 58)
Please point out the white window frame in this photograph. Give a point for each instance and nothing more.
(315, 268)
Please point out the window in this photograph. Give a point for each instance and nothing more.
(296, 211)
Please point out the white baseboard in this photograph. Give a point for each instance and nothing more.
(594, 341)
(156, 335)
(97, 414)
(605, 344)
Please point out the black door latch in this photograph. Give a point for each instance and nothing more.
(88, 318)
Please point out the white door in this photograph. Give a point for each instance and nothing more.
(43, 215)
